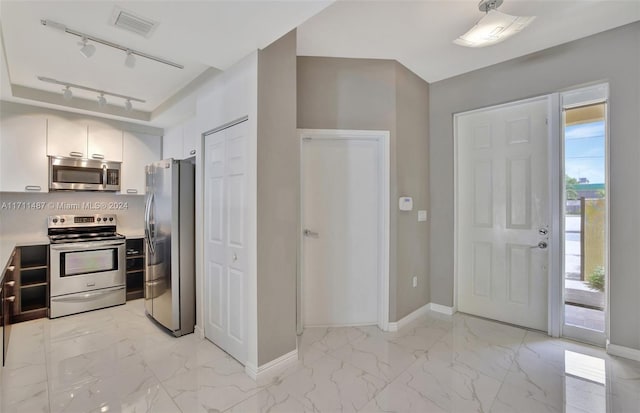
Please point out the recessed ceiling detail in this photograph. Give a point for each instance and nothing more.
(131, 22)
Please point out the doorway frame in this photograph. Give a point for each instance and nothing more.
(382, 137)
(554, 280)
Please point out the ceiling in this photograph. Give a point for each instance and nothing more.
(209, 36)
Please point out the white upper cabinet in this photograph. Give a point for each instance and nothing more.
(82, 139)
(104, 142)
(66, 138)
(139, 150)
(172, 143)
(189, 138)
(181, 141)
(23, 153)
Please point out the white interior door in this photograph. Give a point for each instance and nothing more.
(225, 271)
(341, 188)
(503, 213)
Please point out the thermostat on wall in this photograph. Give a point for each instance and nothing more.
(406, 203)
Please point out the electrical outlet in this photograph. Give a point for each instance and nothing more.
(415, 282)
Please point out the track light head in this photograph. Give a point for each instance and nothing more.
(130, 60)
(66, 93)
(102, 102)
(128, 106)
(87, 50)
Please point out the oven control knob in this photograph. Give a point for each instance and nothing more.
(55, 220)
(61, 220)
(99, 219)
(110, 218)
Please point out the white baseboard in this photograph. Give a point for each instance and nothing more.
(621, 351)
(396, 325)
(199, 332)
(271, 368)
(443, 309)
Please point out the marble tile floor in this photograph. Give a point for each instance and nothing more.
(116, 360)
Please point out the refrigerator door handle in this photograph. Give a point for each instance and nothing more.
(152, 235)
(147, 227)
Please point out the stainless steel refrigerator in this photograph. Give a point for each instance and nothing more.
(169, 228)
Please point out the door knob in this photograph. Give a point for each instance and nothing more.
(542, 245)
(234, 257)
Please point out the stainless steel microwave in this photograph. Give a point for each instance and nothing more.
(83, 174)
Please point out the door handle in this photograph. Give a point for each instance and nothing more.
(75, 154)
(97, 156)
(310, 234)
(542, 245)
(10, 283)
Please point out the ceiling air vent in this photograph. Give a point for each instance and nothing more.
(130, 22)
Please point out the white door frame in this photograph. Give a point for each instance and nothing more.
(384, 163)
(554, 264)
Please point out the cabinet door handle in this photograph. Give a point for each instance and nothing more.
(192, 152)
(97, 156)
(10, 283)
(11, 298)
(33, 188)
(11, 268)
(76, 154)
(132, 191)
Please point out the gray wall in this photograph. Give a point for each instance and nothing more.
(412, 154)
(613, 56)
(335, 93)
(278, 194)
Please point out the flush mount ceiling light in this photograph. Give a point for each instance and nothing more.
(86, 37)
(102, 101)
(494, 27)
(87, 50)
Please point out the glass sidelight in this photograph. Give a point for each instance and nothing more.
(585, 220)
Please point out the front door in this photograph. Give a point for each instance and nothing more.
(503, 212)
(225, 271)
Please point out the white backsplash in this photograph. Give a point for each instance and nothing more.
(24, 215)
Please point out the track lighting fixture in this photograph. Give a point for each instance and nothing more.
(494, 27)
(130, 60)
(88, 49)
(66, 93)
(102, 101)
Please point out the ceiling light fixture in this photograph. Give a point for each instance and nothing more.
(66, 93)
(86, 37)
(494, 27)
(87, 50)
(130, 60)
(102, 101)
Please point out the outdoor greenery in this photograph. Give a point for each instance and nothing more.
(570, 185)
(595, 280)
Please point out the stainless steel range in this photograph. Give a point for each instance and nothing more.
(87, 263)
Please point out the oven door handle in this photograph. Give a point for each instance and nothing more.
(84, 245)
(86, 296)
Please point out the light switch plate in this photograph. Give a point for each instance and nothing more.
(422, 216)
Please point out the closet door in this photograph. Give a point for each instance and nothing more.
(225, 271)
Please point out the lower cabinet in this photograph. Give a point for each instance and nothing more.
(31, 288)
(135, 268)
(7, 297)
